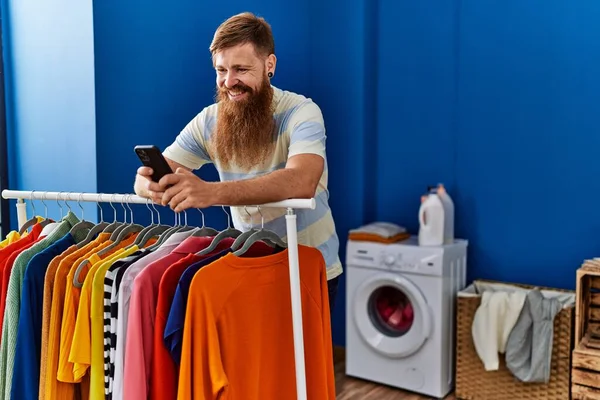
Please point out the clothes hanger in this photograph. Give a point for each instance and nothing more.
(152, 230)
(49, 228)
(76, 282)
(115, 233)
(227, 233)
(34, 219)
(152, 224)
(166, 234)
(185, 227)
(46, 221)
(262, 235)
(97, 229)
(125, 231)
(204, 230)
(245, 235)
(83, 224)
(110, 228)
(163, 237)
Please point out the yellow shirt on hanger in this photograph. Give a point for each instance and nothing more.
(12, 237)
(71, 308)
(69, 317)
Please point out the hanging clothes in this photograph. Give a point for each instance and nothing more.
(12, 237)
(13, 302)
(235, 302)
(90, 318)
(51, 388)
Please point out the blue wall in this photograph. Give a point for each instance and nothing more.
(497, 100)
(49, 63)
(480, 96)
(154, 74)
(528, 127)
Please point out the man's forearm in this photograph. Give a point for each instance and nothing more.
(278, 185)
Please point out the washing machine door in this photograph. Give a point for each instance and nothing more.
(391, 315)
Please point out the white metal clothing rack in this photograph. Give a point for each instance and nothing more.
(292, 241)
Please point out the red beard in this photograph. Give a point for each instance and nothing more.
(244, 135)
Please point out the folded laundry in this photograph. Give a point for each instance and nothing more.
(366, 237)
(518, 322)
(382, 232)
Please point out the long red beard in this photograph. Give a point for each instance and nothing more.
(244, 135)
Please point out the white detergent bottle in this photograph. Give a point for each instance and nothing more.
(431, 221)
(448, 212)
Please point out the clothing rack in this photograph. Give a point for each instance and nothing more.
(292, 241)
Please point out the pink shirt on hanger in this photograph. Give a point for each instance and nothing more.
(142, 311)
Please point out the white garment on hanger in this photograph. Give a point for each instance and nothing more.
(48, 229)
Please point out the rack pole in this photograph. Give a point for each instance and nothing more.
(21, 213)
(132, 198)
(292, 237)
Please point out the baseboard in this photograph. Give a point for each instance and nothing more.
(339, 353)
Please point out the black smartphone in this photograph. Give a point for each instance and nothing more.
(152, 157)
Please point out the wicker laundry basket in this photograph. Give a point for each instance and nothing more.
(473, 382)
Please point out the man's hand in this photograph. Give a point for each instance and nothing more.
(142, 178)
(182, 190)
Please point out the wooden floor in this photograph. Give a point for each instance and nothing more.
(355, 389)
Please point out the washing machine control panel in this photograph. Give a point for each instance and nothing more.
(406, 257)
(412, 261)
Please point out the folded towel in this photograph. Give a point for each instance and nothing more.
(370, 237)
(385, 230)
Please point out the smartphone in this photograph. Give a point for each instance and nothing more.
(152, 157)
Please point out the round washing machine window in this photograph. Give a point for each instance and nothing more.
(391, 311)
(391, 314)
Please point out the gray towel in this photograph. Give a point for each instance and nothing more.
(529, 346)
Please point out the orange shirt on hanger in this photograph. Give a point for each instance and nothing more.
(54, 389)
(238, 336)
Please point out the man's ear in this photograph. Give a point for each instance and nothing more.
(271, 63)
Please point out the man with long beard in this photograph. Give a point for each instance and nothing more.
(266, 143)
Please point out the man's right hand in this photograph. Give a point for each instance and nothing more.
(142, 178)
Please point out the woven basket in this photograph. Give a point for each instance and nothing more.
(473, 382)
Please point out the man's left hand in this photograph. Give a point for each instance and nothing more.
(182, 190)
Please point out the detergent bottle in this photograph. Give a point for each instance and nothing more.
(448, 213)
(431, 220)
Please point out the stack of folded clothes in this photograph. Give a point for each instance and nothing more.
(382, 232)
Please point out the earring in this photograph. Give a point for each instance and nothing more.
(270, 74)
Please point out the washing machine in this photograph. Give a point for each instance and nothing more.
(400, 313)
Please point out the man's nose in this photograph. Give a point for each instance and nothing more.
(231, 80)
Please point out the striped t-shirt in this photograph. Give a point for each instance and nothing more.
(300, 130)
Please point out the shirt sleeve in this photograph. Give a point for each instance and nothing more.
(81, 350)
(307, 131)
(189, 147)
(174, 328)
